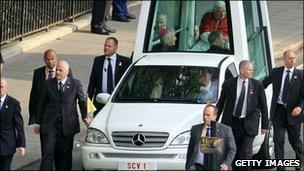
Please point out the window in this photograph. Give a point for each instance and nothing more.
(175, 84)
(230, 71)
(256, 35)
(189, 26)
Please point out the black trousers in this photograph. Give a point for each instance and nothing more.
(243, 142)
(5, 162)
(98, 13)
(57, 149)
(280, 126)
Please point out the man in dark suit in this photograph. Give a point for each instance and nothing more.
(11, 128)
(286, 105)
(217, 43)
(99, 19)
(242, 101)
(40, 75)
(199, 161)
(58, 118)
(105, 75)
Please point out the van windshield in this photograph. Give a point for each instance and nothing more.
(189, 26)
(173, 84)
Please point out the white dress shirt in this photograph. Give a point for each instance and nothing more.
(63, 83)
(282, 84)
(47, 72)
(238, 93)
(105, 72)
(2, 100)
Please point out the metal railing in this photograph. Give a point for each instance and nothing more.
(19, 18)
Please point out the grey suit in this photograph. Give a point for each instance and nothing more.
(222, 131)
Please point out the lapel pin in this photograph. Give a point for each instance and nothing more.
(67, 87)
(120, 64)
(6, 106)
(295, 77)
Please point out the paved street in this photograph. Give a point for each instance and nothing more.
(79, 49)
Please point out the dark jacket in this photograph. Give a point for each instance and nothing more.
(256, 105)
(222, 131)
(95, 83)
(37, 84)
(50, 105)
(11, 127)
(295, 94)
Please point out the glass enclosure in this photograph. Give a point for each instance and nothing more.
(189, 26)
(256, 35)
(176, 84)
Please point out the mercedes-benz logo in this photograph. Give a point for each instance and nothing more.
(138, 139)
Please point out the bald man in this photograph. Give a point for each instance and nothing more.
(57, 118)
(11, 128)
(40, 75)
(286, 106)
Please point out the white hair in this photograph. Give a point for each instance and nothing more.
(219, 4)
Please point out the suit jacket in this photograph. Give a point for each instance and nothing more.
(50, 105)
(217, 49)
(256, 105)
(95, 83)
(294, 95)
(222, 131)
(37, 84)
(11, 127)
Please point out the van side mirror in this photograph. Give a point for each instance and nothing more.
(102, 98)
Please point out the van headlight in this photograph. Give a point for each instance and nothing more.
(96, 137)
(182, 139)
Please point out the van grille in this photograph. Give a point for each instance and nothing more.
(150, 140)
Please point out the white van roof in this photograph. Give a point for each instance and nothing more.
(181, 59)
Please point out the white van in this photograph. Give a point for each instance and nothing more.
(145, 124)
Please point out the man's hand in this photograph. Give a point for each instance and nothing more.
(21, 151)
(296, 111)
(264, 131)
(87, 121)
(36, 129)
(224, 167)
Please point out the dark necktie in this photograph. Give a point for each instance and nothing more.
(110, 86)
(61, 89)
(239, 106)
(1, 104)
(50, 75)
(207, 156)
(286, 83)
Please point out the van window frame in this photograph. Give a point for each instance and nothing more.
(150, 24)
(263, 32)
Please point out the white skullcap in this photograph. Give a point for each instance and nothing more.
(220, 4)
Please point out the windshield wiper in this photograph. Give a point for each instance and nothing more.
(159, 100)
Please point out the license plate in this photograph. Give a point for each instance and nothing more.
(136, 166)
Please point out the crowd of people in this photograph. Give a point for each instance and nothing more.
(212, 35)
(242, 103)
